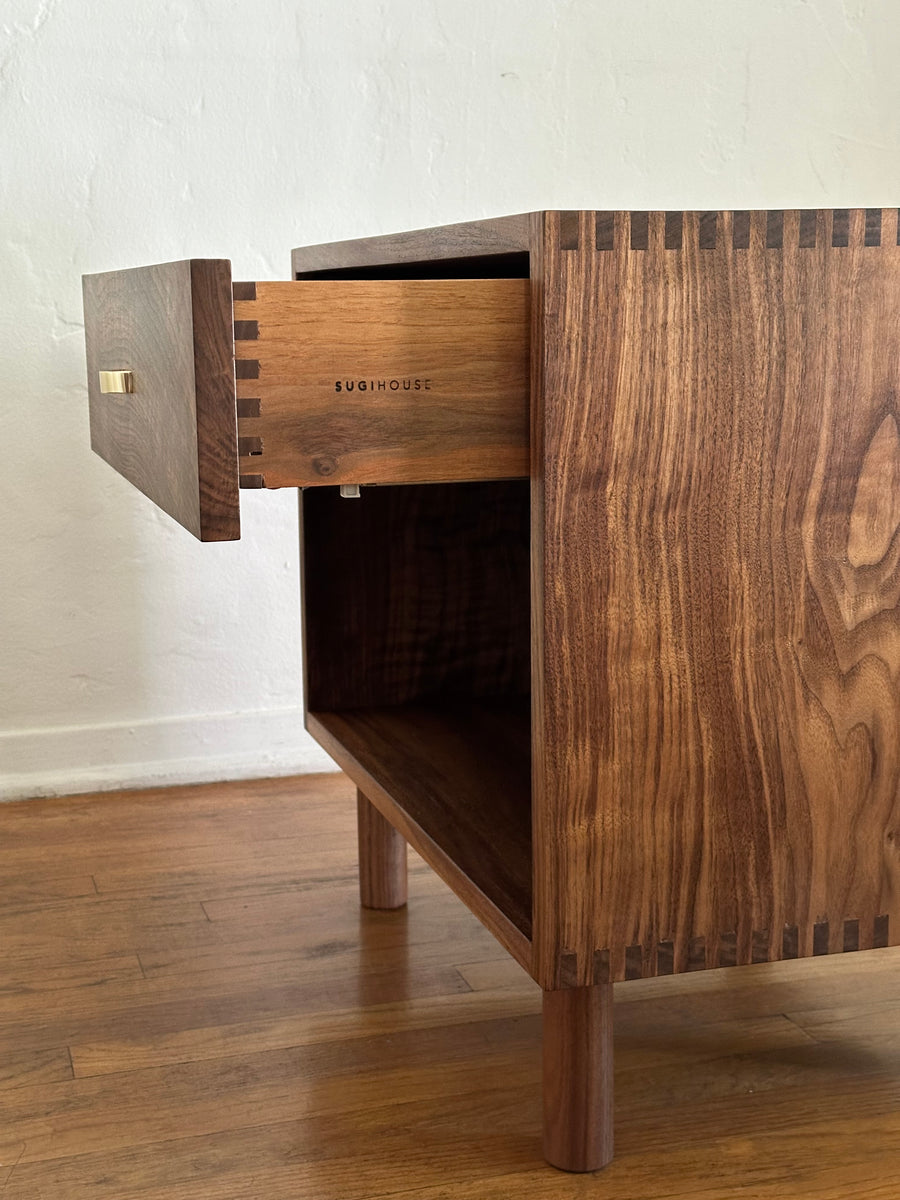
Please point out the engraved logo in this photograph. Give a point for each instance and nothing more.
(382, 385)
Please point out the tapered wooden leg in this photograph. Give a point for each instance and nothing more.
(578, 1077)
(382, 859)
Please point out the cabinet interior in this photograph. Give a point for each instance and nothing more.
(417, 610)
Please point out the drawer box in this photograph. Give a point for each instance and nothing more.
(296, 384)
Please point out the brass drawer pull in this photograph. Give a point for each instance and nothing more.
(113, 383)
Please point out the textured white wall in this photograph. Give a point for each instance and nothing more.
(132, 134)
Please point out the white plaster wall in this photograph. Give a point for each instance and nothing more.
(129, 653)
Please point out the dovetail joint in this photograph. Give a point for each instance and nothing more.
(840, 227)
(250, 446)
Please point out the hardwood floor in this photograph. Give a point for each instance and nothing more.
(193, 1006)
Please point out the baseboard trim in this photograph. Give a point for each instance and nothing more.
(64, 760)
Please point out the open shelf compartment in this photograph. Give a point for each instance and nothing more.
(417, 640)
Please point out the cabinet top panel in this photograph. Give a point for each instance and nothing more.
(502, 245)
(501, 237)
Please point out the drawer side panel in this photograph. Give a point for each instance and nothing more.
(383, 381)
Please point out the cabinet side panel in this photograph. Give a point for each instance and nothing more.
(718, 750)
(382, 382)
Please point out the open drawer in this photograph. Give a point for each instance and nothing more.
(198, 387)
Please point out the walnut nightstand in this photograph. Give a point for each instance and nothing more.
(614, 643)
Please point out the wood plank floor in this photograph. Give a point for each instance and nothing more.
(193, 1007)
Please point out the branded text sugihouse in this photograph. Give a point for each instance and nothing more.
(382, 385)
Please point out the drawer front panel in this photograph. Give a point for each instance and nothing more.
(385, 381)
(174, 435)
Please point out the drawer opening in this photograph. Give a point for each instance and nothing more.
(515, 265)
(417, 634)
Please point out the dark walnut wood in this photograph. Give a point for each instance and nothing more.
(717, 573)
(641, 711)
(471, 249)
(454, 780)
(382, 381)
(175, 436)
(578, 1077)
(416, 634)
(714, 611)
(714, 579)
(382, 858)
(416, 593)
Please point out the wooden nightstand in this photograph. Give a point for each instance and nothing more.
(614, 643)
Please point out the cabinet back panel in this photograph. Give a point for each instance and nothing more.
(416, 593)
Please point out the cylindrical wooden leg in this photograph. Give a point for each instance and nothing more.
(578, 1077)
(382, 859)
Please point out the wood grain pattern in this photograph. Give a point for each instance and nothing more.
(672, 534)
(469, 249)
(716, 558)
(382, 858)
(175, 437)
(417, 598)
(387, 1071)
(578, 1077)
(415, 593)
(715, 643)
(384, 381)
(454, 780)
